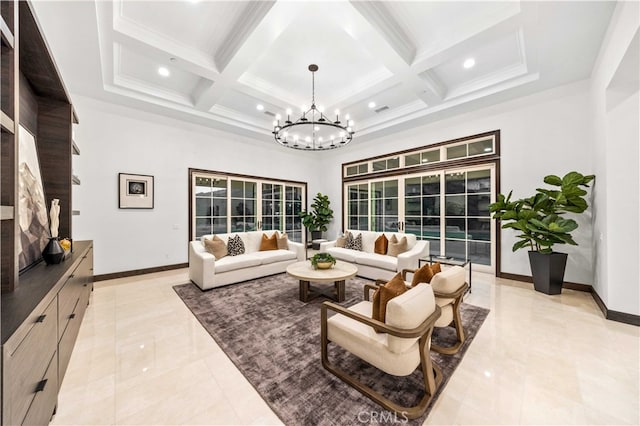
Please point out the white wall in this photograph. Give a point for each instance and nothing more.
(114, 139)
(615, 117)
(546, 133)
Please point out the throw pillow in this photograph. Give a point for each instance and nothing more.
(282, 241)
(396, 248)
(422, 275)
(435, 268)
(395, 287)
(269, 243)
(235, 246)
(216, 247)
(381, 245)
(348, 240)
(354, 243)
(341, 241)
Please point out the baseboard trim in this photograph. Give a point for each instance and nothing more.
(617, 316)
(527, 279)
(135, 272)
(622, 317)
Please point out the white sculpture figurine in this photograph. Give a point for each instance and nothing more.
(54, 214)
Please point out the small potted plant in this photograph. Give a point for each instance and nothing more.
(540, 225)
(322, 261)
(319, 216)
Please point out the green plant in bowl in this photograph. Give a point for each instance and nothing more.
(322, 261)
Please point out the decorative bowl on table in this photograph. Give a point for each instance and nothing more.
(322, 261)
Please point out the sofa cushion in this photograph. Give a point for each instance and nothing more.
(235, 246)
(381, 245)
(231, 263)
(378, 260)
(449, 280)
(395, 248)
(216, 247)
(345, 254)
(369, 240)
(269, 243)
(282, 241)
(273, 256)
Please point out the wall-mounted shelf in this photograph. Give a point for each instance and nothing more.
(75, 180)
(74, 148)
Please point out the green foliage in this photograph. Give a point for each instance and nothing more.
(538, 218)
(322, 258)
(320, 214)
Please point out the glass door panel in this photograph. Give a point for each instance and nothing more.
(210, 205)
(422, 209)
(243, 206)
(384, 206)
(293, 206)
(272, 214)
(357, 206)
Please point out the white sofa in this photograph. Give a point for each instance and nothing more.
(372, 265)
(207, 272)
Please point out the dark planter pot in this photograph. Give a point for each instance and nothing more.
(316, 235)
(548, 271)
(53, 252)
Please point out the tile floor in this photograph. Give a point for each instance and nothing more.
(142, 358)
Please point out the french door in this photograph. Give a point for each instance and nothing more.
(224, 204)
(449, 208)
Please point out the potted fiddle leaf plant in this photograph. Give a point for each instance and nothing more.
(541, 225)
(318, 217)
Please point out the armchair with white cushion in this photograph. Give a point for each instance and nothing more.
(400, 346)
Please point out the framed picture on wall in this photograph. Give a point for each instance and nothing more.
(136, 191)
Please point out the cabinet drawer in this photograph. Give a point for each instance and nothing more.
(68, 340)
(67, 301)
(46, 397)
(24, 368)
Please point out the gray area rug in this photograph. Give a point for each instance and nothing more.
(274, 340)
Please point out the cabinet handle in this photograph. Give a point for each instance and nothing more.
(72, 316)
(41, 385)
(41, 318)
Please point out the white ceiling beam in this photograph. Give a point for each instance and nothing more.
(258, 36)
(368, 32)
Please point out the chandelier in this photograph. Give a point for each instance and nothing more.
(313, 131)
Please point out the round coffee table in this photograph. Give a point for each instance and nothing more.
(337, 274)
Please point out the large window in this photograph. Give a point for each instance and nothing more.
(223, 203)
(440, 194)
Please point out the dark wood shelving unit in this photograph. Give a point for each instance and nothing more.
(43, 305)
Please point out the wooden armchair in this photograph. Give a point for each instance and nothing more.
(398, 349)
(449, 286)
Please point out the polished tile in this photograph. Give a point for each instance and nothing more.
(142, 358)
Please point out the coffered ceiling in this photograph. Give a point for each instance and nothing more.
(226, 57)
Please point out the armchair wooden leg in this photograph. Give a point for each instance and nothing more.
(431, 373)
(457, 323)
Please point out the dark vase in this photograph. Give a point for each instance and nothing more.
(547, 270)
(53, 253)
(316, 235)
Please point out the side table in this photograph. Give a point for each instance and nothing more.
(447, 261)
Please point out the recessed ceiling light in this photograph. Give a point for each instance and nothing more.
(260, 107)
(469, 63)
(164, 71)
(372, 104)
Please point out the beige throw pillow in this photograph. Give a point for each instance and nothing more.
(216, 247)
(283, 241)
(396, 248)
